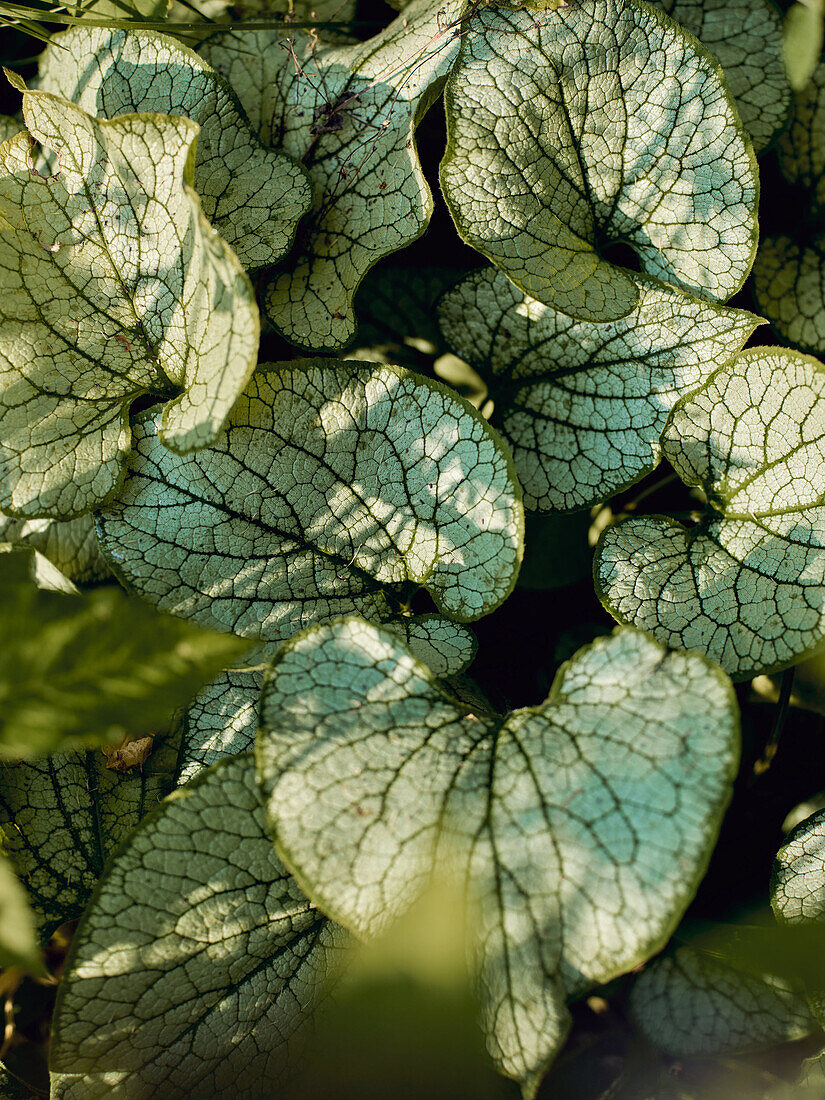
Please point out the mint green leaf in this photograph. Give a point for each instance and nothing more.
(602, 122)
(798, 879)
(690, 1004)
(254, 196)
(88, 670)
(802, 35)
(221, 721)
(61, 818)
(336, 483)
(106, 298)
(371, 197)
(583, 405)
(70, 544)
(447, 648)
(745, 36)
(580, 827)
(18, 941)
(746, 585)
(197, 959)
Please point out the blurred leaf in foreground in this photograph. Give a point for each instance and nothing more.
(18, 940)
(802, 34)
(404, 1020)
(78, 671)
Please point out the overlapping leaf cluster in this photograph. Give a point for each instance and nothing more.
(158, 207)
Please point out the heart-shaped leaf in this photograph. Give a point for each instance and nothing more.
(746, 585)
(336, 484)
(197, 959)
(599, 124)
(113, 285)
(583, 405)
(349, 114)
(745, 36)
(581, 827)
(253, 195)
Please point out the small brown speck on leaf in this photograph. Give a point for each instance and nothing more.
(132, 752)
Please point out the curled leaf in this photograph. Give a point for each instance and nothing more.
(113, 284)
(253, 195)
(349, 114)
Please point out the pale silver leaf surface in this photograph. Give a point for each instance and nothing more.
(746, 584)
(583, 405)
(579, 828)
(197, 960)
(253, 195)
(599, 123)
(107, 297)
(335, 484)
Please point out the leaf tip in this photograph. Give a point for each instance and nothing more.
(16, 81)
